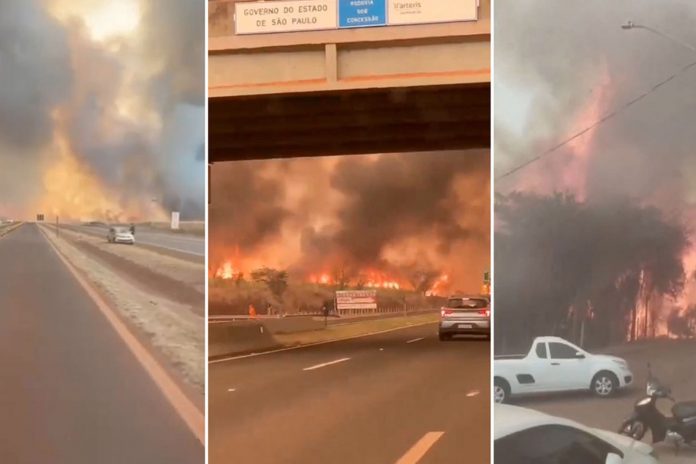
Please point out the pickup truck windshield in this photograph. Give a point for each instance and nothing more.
(467, 303)
(562, 351)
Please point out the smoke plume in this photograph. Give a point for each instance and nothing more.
(96, 126)
(396, 213)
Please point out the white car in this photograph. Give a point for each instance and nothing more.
(120, 235)
(525, 436)
(554, 365)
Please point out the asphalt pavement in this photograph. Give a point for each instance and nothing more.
(176, 242)
(672, 362)
(70, 390)
(398, 397)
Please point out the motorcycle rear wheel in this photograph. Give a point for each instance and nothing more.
(633, 428)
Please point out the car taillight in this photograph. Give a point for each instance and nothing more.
(485, 312)
(445, 312)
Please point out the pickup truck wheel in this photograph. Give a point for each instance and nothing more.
(604, 384)
(501, 391)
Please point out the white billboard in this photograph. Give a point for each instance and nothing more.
(285, 16)
(401, 12)
(356, 299)
(175, 220)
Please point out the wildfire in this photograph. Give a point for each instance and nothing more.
(571, 170)
(226, 271)
(370, 278)
(439, 287)
(72, 191)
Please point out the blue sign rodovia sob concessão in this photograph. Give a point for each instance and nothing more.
(362, 13)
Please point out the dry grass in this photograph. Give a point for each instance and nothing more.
(187, 272)
(299, 296)
(185, 227)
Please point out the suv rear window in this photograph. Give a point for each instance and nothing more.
(467, 303)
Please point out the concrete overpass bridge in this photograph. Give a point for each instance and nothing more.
(335, 91)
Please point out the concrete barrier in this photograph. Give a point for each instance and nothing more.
(238, 338)
(249, 336)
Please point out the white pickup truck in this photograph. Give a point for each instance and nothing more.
(554, 365)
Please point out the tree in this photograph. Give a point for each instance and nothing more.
(341, 277)
(275, 280)
(554, 253)
(423, 280)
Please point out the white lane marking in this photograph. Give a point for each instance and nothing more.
(243, 356)
(415, 340)
(472, 393)
(180, 250)
(231, 389)
(421, 447)
(381, 349)
(317, 366)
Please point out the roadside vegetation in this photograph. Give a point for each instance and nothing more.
(289, 296)
(593, 273)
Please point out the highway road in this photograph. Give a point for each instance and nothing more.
(70, 389)
(398, 397)
(180, 243)
(671, 361)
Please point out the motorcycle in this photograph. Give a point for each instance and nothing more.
(680, 428)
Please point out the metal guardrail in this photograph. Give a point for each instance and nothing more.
(347, 314)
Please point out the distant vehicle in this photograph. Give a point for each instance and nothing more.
(464, 315)
(680, 428)
(525, 436)
(555, 365)
(120, 235)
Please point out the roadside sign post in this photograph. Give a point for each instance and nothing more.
(175, 220)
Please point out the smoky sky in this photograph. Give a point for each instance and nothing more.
(34, 71)
(176, 39)
(552, 59)
(399, 196)
(57, 80)
(351, 210)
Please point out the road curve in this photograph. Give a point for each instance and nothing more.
(401, 396)
(70, 390)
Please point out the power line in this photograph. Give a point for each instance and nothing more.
(602, 120)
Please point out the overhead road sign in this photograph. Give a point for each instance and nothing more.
(362, 13)
(285, 16)
(401, 12)
(267, 17)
